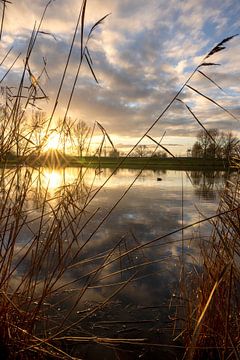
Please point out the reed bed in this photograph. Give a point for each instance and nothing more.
(212, 329)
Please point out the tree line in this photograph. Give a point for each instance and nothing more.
(77, 134)
(215, 144)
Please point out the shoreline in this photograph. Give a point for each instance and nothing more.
(177, 163)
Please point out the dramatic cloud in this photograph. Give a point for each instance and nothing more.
(142, 54)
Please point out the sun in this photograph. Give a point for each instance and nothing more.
(53, 142)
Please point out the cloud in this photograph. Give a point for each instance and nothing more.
(142, 54)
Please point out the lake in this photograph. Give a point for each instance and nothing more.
(106, 244)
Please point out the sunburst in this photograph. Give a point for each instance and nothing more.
(53, 142)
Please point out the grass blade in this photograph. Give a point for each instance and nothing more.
(213, 101)
(195, 117)
(91, 68)
(207, 77)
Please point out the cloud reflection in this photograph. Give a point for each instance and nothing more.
(106, 256)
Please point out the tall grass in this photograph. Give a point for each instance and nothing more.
(35, 274)
(213, 323)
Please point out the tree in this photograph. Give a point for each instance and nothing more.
(36, 122)
(197, 150)
(114, 153)
(189, 152)
(160, 154)
(208, 142)
(141, 151)
(82, 133)
(230, 144)
(214, 144)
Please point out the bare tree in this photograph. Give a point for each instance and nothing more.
(230, 145)
(37, 121)
(208, 142)
(82, 134)
(214, 144)
(114, 153)
(197, 150)
(160, 154)
(141, 151)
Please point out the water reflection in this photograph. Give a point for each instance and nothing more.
(102, 241)
(52, 179)
(206, 183)
(150, 208)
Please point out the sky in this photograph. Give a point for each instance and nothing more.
(142, 54)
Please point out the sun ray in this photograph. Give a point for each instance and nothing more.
(53, 142)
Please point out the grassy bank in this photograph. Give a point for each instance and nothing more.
(177, 163)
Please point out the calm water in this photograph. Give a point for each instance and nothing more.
(149, 210)
(104, 229)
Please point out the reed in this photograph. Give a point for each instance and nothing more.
(213, 322)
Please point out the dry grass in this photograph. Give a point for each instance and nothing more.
(213, 318)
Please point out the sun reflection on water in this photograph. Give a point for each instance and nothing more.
(52, 179)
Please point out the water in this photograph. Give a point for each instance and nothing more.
(110, 238)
